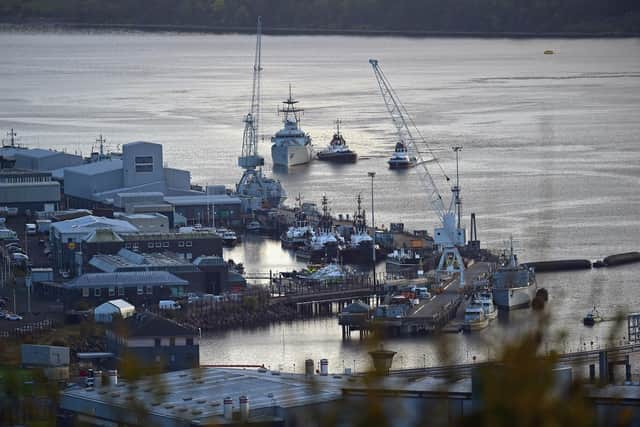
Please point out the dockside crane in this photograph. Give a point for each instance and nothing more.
(450, 236)
(259, 190)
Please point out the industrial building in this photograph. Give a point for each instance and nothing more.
(146, 222)
(37, 159)
(92, 289)
(28, 190)
(198, 209)
(65, 237)
(155, 341)
(139, 170)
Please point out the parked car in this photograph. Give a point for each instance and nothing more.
(14, 249)
(168, 305)
(18, 257)
(13, 317)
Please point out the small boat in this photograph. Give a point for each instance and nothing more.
(401, 159)
(485, 300)
(300, 232)
(338, 151)
(549, 52)
(474, 318)
(592, 317)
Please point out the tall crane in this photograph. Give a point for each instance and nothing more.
(258, 190)
(450, 236)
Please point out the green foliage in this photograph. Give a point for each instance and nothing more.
(404, 15)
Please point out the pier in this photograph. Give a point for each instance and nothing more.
(428, 316)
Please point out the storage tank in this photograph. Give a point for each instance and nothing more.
(324, 367)
(308, 367)
(228, 408)
(112, 377)
(244, 408)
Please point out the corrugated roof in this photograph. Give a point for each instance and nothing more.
(128, 278)
(151, 325)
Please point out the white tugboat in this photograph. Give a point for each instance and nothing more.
(359, 248)
(485, 300)
(291, 145)
(326, 242)
(401, 158)
(513, 285)
(338, 151)
(475, 318)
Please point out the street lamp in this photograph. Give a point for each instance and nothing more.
(373, 227)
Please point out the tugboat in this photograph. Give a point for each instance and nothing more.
(229, 237)
(358, 250)
(298, 234)
(291, 145)
(401, 159)
(513, 285)
(592, 317)
(325, 243)
(338, 151)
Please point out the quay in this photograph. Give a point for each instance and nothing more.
(428, 316)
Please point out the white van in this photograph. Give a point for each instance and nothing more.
(167, 304)
(31, 228)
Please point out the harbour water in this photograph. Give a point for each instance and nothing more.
(550, 148)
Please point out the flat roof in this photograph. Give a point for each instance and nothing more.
(94, 168)
(86, 223)
(197, 200)
(145, 261)
(132, 278)
(196, 396)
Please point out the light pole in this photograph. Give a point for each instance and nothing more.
(373, 227)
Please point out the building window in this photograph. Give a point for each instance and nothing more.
(149, 290)
(150, 245)
(188, 244)
(140, 290)
(96, 292)
(189, 341)
(127, 245)
(165, 244)
(156, 342)
(135, 246)
(188, 255)
(85, 292)
(120, 291)
(158, 244)
(181, 244)
(144, 164)
(112, 291)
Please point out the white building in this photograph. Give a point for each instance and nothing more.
(104, 313)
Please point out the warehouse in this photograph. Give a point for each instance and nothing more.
(28, 190)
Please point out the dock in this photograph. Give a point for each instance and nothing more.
(428, 316)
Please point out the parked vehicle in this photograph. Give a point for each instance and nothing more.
(168, 305)
(13, 317)
(31, 228)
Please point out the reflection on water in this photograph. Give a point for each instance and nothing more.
(540, 159)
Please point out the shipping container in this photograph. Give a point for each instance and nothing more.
(44, 355)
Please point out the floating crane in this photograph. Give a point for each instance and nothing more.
(450, 236)
(258, 190)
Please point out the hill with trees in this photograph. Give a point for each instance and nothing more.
(450, 16)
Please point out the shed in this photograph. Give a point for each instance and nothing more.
(104, 312)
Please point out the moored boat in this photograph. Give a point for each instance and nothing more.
(401, 159)
(337, 151)
(513, 285)
(592, 317)
(475, 318)
(291, 145)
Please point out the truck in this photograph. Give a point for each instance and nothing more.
(31, 228)
(6, 234)
(168, 304)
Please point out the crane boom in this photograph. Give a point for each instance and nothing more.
(249, 159)
(401, 121)
(450, 235)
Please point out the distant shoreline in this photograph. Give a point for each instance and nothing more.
(305, 31)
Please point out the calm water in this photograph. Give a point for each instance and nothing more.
(550, 147)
